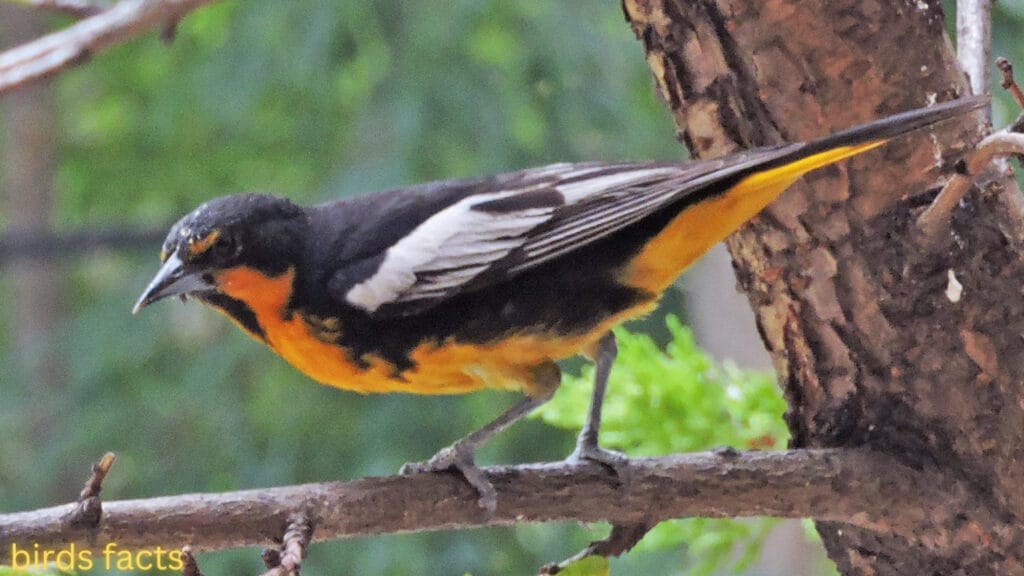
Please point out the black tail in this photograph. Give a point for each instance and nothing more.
(895, 125)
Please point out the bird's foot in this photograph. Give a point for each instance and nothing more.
(616, 462)
(459, 457)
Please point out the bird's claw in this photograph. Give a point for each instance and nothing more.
(616, 462)
(459, 458)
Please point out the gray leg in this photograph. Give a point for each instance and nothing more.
(460, 455)
(587, 447)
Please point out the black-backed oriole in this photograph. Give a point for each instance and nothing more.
(459, 285)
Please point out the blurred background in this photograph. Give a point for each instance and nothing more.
(313, 99)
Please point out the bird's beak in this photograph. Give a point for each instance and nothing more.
(172, 280)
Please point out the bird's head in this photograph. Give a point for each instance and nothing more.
(255, 232)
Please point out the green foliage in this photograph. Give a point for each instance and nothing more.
(314, 99)
(319, 99)
(679, 400)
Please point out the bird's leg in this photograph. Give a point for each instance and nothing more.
(587, 447)
(460, 455)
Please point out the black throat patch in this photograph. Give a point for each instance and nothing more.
(239, 311)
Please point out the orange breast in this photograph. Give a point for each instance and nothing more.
(451, 368)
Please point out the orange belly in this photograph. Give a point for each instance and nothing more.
(451, 368)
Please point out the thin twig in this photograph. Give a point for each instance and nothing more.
(856, 487)
(54, 52)
(47, 244)
(622, 539)
(191, 567)
(974, 43)
(94, 485)
(88, 510)
(271, 558)
(935, 221)
(170, 32)
(75, 8)
(1008, 82)
(287, 561)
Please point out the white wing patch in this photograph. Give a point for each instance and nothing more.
(446, 250)
(625, 206)
(452, 247)
(585, 188)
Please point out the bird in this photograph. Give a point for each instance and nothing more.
(459, 285)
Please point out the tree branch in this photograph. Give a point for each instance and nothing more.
(75, 8)
(935, 221)
(89, 510)
(974, 42)
(191, 567)
(287, 560)
(54, 52)
(45, 244)
(1008, 83)
(856, 487)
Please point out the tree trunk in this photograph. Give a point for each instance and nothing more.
(30, 158)
(870, 348)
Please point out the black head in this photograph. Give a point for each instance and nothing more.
(256, 230)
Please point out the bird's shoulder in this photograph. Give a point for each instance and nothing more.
(348, 238)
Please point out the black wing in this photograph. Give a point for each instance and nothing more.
(538, 215)
(518, 221)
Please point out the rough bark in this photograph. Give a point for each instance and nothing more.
(869, 348)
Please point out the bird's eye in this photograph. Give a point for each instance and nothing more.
(224, 246)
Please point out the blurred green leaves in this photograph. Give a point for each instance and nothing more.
(311, 99)
(678, 400)
(318, 99)
(675, 400)
(314, 99)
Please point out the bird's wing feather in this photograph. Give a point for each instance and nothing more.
(548, 212)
